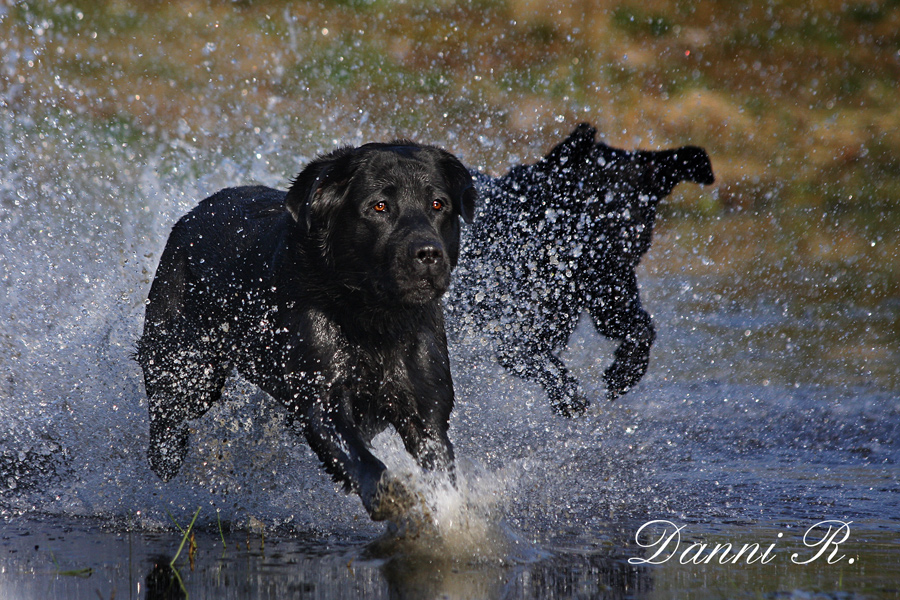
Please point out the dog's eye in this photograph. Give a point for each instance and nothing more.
(437, 204)
(380, 206)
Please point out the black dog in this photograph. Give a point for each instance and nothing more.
(327, 297)
(561, 236)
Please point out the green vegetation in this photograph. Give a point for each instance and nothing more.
(184, 538)
(83, 573)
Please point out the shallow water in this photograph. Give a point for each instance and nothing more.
(50, 560)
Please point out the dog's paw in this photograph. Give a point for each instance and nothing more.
(168, 448)
(613, 394)
(570, 405)
(395, 500)
(620, 377)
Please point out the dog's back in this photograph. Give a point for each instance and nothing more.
(229, 224)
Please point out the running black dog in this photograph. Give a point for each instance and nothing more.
(561, 236)
(328, 298)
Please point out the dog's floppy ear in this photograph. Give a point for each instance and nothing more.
(462, 186)
(316, 187)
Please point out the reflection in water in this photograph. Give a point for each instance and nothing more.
(163, 582)
(564, 576)
(37, 557)
(283, 573)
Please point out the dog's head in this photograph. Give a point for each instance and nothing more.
(617, 190)
(384, 218)
(579, 169)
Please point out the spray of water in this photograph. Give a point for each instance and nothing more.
(82, 225)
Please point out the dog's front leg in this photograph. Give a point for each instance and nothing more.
(335, 439)
(427, 441)
(541, 366)
(632, 358)
(429, 399)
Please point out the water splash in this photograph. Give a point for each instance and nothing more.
(442, 519)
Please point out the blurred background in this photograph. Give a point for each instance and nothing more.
(796, 102)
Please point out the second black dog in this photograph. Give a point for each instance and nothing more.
(328, 298)
(561, 236)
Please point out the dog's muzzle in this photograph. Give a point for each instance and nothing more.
(428, 270)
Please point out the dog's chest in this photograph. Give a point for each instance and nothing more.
(365, 363)
(376, 382)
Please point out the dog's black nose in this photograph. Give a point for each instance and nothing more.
(429, 253)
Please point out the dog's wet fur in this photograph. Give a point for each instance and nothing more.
(328, 297)
(559, 237)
